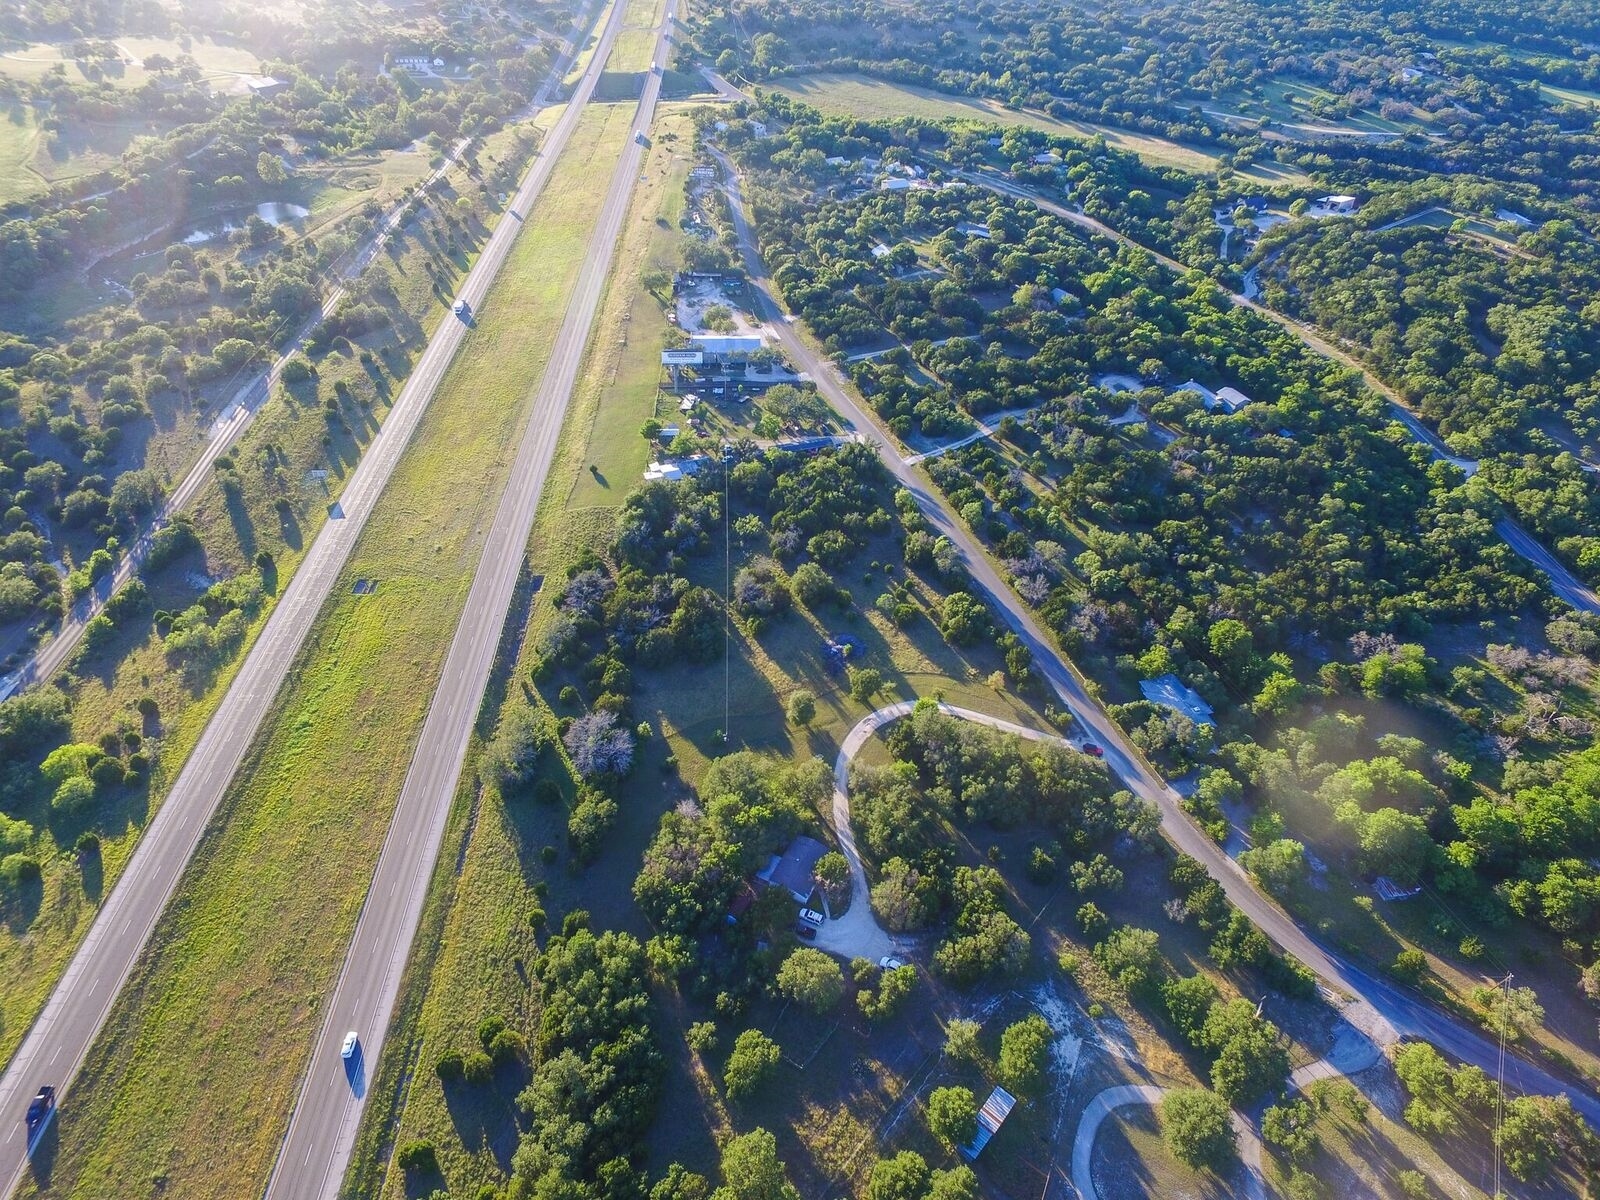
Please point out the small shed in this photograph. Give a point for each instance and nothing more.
(991, 1116)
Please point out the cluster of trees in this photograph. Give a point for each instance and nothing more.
(1161, 69)
(597, 1070)
(1494, 348)
(750, 808)
(1535, 1134)
(948, 770)
(1293, 555)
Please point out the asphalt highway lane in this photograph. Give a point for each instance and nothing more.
(321, 1136)
(59, 1040)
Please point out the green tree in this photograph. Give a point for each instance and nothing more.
(865, 683)
(1231, 647)
(1534, 1132)
(1251, 1059)
(802, 707)
(903, 1177)
(1279, 866)
(753, 1060)
(1131, 956)
(1197, 1127)
(961, 1041)
(751, 1170)
(811, 979)
(894, 988)
(1187, 1001)
(1024, 1053)
(1509, 1012)
(1394, 843)
(953, 1116)
(1290, 1127)
(958, 1183)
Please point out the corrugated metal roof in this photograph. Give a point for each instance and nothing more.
(991, 1116)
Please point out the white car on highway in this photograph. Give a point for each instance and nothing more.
(351, 1042)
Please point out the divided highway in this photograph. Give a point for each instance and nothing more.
(1382, 1011)
(234, 418)
(317, 1148)
(55, 1047)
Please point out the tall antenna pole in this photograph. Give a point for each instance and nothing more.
(1500, 1090)
(727, 593)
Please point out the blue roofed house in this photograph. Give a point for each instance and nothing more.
(1171, 692)
(795, 869)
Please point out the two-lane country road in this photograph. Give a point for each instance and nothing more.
(1381, 1010)
(55, 1047)
(321, 1136)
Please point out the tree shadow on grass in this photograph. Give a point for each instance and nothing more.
(293, 537)
(239, 516)
(21, 908)
(92, 868)
(484, 1117)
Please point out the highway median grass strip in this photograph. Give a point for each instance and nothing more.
(192, 1082)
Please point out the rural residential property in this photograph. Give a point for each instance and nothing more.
(781, 600)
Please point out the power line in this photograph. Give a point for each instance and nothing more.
(1500, 1089)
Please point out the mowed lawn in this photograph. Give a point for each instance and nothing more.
(190, 1088)
(19, 136)
(636, 44)
(873, 99)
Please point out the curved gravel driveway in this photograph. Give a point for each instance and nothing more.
(857, 933)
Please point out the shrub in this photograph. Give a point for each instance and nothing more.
(477, 1068)
(449, 1067)
(802, 707)
(417, 1158)
(508, 1047)
(17, 869)
(1409, 966)
(489, 1028)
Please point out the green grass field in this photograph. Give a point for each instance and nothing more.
(869, 99)
(19, 138)
(221, 64)
(635, 45)
(205, 1047)
(1572, 97)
